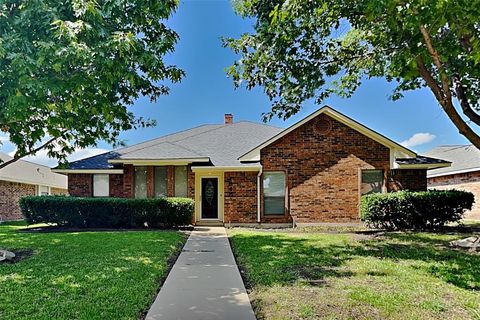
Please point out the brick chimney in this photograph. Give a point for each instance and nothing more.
(228, 118)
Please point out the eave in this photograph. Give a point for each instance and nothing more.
(92, 171)
(162, 162)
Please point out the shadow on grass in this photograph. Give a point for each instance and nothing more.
(272, 258)
(454, 266)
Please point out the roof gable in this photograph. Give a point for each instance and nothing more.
(23, 171)
(254, 154)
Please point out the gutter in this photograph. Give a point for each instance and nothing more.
(259, 176)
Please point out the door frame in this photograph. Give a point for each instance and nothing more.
(218, 199)
(199, 175)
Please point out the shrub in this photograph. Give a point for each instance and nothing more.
(107, 212)
(415, 210)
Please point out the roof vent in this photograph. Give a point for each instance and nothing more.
(228, 118)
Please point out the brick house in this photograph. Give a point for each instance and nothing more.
(463, 174)
(247, 173)
(23, 178)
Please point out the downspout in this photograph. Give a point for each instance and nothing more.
(259, 176)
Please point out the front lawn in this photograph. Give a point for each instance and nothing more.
(351, 276)
(83, 275)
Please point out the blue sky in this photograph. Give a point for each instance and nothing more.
(206, 94)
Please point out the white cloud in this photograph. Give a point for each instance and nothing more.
(418, 139)
(42, 158)
(4, 138)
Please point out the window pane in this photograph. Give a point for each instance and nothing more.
(372, 181)
(160, 182)
(140, 182)
(274, 192)
(181, 181)
(100, 185)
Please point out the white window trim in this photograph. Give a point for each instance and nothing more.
(39, 193)
(285, 209)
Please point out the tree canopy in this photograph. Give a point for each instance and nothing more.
(312, 49)
(69, 70)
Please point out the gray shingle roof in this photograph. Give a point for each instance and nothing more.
(464, 158)
(223, 144)
(420, 160)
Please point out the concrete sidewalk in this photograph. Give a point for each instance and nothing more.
(204, 283)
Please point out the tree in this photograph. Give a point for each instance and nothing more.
(69, 70)
(311, 49)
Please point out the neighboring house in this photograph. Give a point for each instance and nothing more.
(23, 178)
(463, 174)
(245, 173)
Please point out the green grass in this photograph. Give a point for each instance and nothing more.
(83, 275)
(345, 276)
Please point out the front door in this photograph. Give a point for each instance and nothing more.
(209, 198)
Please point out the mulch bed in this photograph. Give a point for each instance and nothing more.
(48, 229)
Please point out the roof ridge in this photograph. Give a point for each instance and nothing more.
(96, 155)
(167, 135)
(259, 123)
(453, 145)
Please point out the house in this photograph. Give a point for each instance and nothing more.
(246, 173)
(463, 174)
(23, 178)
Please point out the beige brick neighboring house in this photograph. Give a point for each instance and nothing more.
(464, 173)
(23, 178)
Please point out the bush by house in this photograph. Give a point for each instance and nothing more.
(79, 212)
(415, 210)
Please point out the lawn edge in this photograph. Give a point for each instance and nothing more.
(246, 281)
(170, 263)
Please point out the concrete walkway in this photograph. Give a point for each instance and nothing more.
(204, 283)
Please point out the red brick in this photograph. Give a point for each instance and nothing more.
(80, 184)
(323, 169)
(240, 197)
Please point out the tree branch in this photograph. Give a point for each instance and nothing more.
(447, 105)
(436, 60)
(462, 98)
(33, 151)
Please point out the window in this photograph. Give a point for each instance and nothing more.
(43, 190)
(181, 181)
(160, 182)
(140, 182)
(274, 193)
(372, 181)
(100, 185)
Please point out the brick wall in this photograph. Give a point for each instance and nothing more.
(191, 182)
(171, 181)
(322, 161)
(116, 185)
(58, 191)
(10, 193)
(465, 181)
(240, 197)
(413, 180)
(128, 181)
(123, 185)
(80, 184)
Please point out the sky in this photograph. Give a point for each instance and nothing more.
(206, 94)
